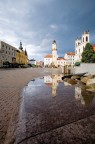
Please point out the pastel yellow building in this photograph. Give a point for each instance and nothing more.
(21, 55)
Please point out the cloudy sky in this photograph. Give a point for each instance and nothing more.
(38, 22)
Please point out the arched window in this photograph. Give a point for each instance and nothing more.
(86, 38)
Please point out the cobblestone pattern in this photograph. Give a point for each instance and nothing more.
(8, 100)
(11, 83)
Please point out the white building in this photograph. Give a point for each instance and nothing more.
(48, 60)
(32, 61)
(69, 58)
(61, 61)
(80, 44)
(7, 53)
(53, 59)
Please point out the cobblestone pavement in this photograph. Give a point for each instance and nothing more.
(11, 83)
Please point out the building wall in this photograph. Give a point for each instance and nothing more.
(32, 62)
(69, 59)
(90, 68)
(80, 44)
(47, 61)
(21, 58)
(61, 62)
(7, 52)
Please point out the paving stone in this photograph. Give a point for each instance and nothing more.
(11, 83)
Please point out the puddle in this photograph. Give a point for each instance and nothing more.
(50, 103)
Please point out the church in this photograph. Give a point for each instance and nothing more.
(80, 44)
(52, 60)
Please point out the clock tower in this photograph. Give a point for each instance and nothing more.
(54, 53)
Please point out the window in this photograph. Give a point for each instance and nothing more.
(6, 52)
(83, 39)
(86, 38)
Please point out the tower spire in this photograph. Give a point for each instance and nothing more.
(54, 41)
(20, 47)
(25, 52)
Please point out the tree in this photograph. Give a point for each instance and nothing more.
(77, 63)
(88, 55)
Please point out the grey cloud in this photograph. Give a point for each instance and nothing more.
(37, 22)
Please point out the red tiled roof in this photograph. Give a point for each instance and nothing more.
(39, 62)
(60, 59)
(71, 53)
(48, 56)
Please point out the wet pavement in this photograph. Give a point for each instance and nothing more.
(54, 112)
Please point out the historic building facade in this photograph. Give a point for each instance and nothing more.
(48, 60)
(10, 54)
(61, 61)
(53, 59)
(21, 55)
(33, 61)
(80, 44)
(7, 53)
(70, 57)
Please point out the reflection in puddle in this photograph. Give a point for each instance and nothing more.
(53, 81)
(86, 97)
(41, 113)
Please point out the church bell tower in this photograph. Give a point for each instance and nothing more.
(20, 47)
(54, 53)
